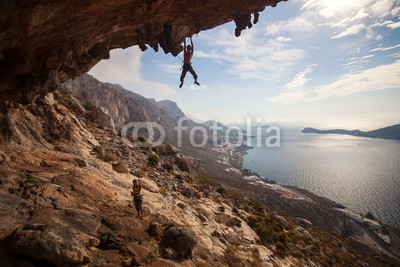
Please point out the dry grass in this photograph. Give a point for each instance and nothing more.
(121, 167)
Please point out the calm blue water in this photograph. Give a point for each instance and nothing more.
(362, 174)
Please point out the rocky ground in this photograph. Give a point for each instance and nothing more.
(65, 200)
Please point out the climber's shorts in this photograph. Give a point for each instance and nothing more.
(138, 200)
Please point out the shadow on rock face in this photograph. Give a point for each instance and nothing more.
(177, 243)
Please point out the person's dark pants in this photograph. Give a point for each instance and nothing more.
(186, 68)
(138, 200)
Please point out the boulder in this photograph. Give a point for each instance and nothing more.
(155, 230)
(150, 185)
(56, 244)
(303, 222)
(232, 237)
(187, 164)
(177, 243)
(167, 149)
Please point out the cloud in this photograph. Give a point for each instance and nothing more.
(298, 24)
(350, 31)
(380, 24)
(356, 63)
(394, 25)
(384, 48)
(300, 79)
(343, 17)
(358, 58)
(377, 78)
(382, 8)
(395, 55)
(170, 68)
(251, 56)
(388, 23)
(124, 67)
(283, 39)
(197, 88)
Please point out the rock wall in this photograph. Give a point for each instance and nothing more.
(45, 42)
(124, 106)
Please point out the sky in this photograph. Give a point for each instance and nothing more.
(306, 63)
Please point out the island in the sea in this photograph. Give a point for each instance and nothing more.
(390, 132)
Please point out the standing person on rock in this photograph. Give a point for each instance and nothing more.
(137, 197)
(187, 61)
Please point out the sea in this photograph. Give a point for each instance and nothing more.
(363, 174)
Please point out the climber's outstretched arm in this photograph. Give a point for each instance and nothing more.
(191, 43)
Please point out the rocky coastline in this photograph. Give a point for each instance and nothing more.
(371, 232)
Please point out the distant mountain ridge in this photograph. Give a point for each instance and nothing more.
(125, 106)
(390, 132)
(211, 123)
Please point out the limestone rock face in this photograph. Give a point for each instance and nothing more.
(172, 108)
(101, 116)
(126, 106)
(45, 42)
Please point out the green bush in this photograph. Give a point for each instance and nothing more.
(89, 106)
(153, 160)
(66, 99)
(270, 232)
(142, 139)
(99, 152)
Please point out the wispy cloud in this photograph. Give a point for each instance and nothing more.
(170, 68)
(197, 88)
(384, 48)
(359, 58)
(350, 31)
(343, 17)
(252, 55)
(395, 55)
(300, 79)
(356, 63)
(299, 24)
(394, 25)
(124, 67)
(283, 39)
(377, 78)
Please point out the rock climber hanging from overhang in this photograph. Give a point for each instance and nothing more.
(187, 61)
